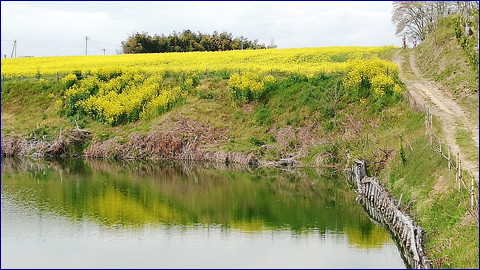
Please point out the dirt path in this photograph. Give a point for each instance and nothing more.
(442, 105)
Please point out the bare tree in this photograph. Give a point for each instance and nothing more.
(409, 19)
(415, 19)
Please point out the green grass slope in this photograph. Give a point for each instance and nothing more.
(450, 57)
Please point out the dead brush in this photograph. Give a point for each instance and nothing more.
(61, 147)
(107, 149)
(163, 145)
(153, 146)
(13, 146)
(69, 144)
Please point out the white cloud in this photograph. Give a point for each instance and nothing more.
(58, 28)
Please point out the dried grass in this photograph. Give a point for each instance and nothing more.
(182, 139)
(65, 146)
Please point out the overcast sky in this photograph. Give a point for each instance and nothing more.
(59, 28)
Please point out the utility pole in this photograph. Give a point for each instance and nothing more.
(14, 49)
(86, 40)
(104, 51)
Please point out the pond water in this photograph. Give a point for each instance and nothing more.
(104, 214)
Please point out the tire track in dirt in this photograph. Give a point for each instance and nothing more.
(450, 114)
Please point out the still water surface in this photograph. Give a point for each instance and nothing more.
(104, 214)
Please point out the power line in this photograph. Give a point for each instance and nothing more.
(99, 46)
(54, 48)
(38, 46)
(7, 47)
(104, 43)
(14, 49)
(98, 43)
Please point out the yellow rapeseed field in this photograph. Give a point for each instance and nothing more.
(123, 88)
(300, 60)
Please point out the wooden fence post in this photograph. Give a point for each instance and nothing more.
(459, 169)
(430, 130)
(456, 173)
(459, 173)
(449, 161)
(426, 121)
(472, 195)
(57, 77)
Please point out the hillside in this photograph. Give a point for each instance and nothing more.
(450, 57)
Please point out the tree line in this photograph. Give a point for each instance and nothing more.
(415, 19)
(188, 41)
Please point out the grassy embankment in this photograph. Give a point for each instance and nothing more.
(421, 177)
(313, 118)
(296, 114)
(428, 191)
(450, 57)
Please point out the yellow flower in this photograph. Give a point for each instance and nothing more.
(397, 89)
(306, 61)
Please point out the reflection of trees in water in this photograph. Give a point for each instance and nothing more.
(367, 237)
(285, 182)
(135, 193)
(23, 164)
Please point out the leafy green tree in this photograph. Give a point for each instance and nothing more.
(186, 41)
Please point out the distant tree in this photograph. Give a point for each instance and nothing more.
(186, 41)
(131, 45)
